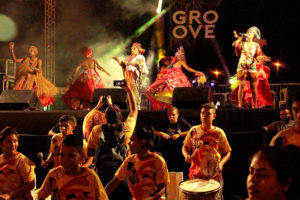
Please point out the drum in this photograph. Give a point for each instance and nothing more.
(199, 189)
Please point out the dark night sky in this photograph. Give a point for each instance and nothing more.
(104, 24)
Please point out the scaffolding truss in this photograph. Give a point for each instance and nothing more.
(49, 32)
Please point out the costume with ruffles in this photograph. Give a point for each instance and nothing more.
(247, 55)
(161, 91)
(29, 79)
(134, 75)
(264, 95)
(83, 88)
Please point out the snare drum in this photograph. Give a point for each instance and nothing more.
(199, 189)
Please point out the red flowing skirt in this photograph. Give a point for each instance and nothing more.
(167, 81)
(264, 94)
(83, 87)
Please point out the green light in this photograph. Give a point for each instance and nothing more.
(8, 29)
(137, 33)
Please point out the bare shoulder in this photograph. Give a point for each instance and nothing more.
(87, 63)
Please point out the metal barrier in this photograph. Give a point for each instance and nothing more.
(279, 91)
(7, 74)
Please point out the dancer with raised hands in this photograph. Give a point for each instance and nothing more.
(30, 76)
(248, 48)
(134, 68)
(80, 93)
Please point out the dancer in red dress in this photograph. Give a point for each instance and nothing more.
(161, 91)
(264, 94)
(30, 76)
(80, 93)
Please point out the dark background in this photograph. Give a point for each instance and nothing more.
(105, 24)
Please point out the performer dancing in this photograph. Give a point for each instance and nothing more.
(80, 93)
(163, 96)
(161, 91)
(134, 67)
(30, 77)
(264, 94)
(248, 48)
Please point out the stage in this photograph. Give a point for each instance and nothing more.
(242, 127)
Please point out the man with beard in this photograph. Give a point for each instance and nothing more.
(292, 134)
(282, 124)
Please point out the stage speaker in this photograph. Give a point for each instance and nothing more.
(190, 97)
(118, 96)
(19, 100)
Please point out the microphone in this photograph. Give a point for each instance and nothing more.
(40, 155)
(243, 34)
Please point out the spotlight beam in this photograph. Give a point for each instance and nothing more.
(137, 33)
(158, 10)
(220, 56)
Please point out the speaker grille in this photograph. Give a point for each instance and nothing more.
(19, 100)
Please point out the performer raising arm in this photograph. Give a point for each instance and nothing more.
(30, 77)
(134, 67)
(80, 93)
(248, 49)
(160, 92)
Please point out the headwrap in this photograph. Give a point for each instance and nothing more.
(34, 48)
(163, 60)
(179, 55)
(88, 52)
(256, 31)
(139, 47)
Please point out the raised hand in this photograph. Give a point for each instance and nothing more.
(235, 34)
(11, 46)
(121, 63)
(108, 100)
(117, 59)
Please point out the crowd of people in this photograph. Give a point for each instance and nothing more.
(107, 157)
(117, 160)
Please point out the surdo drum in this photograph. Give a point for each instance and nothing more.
(199, 189)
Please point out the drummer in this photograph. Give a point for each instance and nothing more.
(206, 147)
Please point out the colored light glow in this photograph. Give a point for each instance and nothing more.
(217, 73)
(212, 84)
(158, 10)
(218, 51)
(231, 81)
(278, 65)
(8, 28)
(137, 33)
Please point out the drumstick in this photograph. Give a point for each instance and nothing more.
(199, 144)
